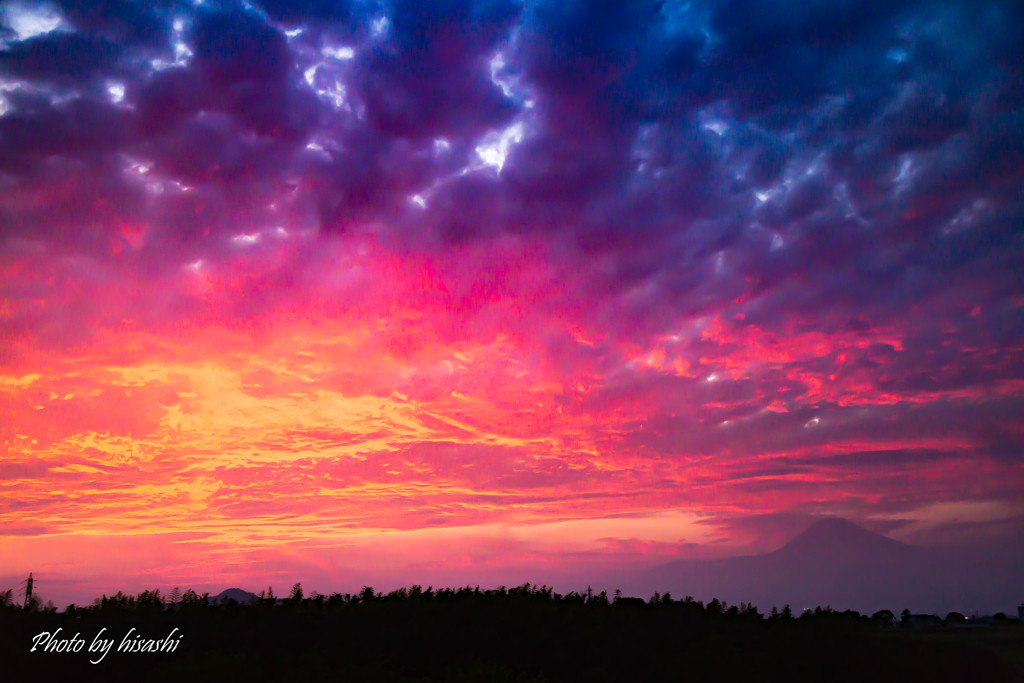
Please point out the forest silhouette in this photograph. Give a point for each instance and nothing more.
(524, 634)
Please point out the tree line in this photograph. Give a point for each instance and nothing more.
(523, 633)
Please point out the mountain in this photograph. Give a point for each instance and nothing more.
(837, 539)
(839, 564)
(239, 595)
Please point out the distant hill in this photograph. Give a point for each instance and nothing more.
(239, 595)
(835, 562)
(835, 539)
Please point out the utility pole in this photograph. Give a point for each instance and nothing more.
(28, 591)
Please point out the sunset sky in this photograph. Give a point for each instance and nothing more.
(448, 292)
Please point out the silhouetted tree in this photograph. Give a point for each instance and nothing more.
(150, 600)
(191, 599)
(524, 634)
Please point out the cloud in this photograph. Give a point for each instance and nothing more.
(496, 263)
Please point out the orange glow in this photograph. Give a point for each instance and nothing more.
(402, 417)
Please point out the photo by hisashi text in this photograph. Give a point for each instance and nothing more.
(100, 646)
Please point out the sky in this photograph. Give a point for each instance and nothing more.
(459, 292)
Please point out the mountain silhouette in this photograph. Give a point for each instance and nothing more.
(837, 563)
(836, 539)
(241, 596)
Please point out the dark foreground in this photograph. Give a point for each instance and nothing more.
(522, 634)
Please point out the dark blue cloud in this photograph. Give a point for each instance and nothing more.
(859, 158)
(234, 47)
(64, 59)
(302, 13)
(430, 77)
(135, 24)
